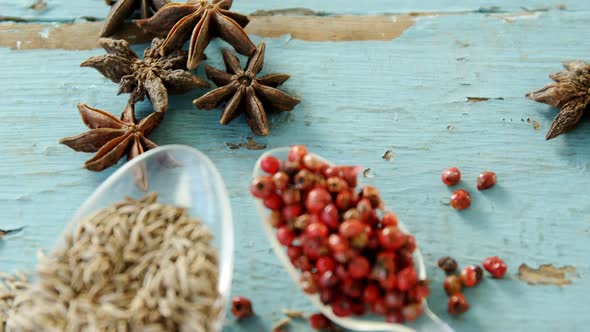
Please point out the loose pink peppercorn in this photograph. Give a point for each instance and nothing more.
(495, 266)
(451, 176)
(241, 307)
(461, 199)
(486, 180)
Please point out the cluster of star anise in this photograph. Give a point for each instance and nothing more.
(164, 70)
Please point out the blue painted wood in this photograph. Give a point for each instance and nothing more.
(66, 10)
(359, 100)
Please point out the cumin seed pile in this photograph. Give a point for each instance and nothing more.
(10, 286)
(137, 265)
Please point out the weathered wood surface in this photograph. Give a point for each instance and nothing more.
(360, 98)
(67, 10)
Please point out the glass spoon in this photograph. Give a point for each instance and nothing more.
(185, 177)
(428, 322)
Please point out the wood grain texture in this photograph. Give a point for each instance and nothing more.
(74, 36)
(359, 99)
(67, 10)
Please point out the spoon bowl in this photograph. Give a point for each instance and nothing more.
(427, 322)
(184, 177)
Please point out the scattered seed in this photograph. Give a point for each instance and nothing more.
(388, 155)
(293, 313)
(281, 324)
(38, 5)
(535, 124)
(368, 173)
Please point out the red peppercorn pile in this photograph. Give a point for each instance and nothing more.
(349, 250)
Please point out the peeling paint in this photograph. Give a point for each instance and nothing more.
(250, 144)
(524, 15)
(13, 19)
(74, 36)
(546, 274)
(299, 23)
(45, 33)
(24, 198)
(286, 12)
(480, 99)
(4, 232)
(332, 28)
(68, 36)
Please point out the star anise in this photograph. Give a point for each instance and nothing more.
(199, 21)
(570, 93)
(123, 9)
(245, 93)
(112, 138)
(155, 76)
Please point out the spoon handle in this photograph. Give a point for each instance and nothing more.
(432, 323)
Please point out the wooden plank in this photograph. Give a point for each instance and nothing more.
(74, 36)
(65, 10)
(360, 99)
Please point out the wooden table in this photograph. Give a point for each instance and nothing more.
(373, 76)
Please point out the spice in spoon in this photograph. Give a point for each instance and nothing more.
(352, 254)
(135, 265)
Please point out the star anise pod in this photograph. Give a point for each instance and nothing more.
(245, 93)
(112, 138)
(570, 93)
(155, 76)
(199, 21)
(123, 9)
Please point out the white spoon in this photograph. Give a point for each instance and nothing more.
(182, 176)
(428, 322)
